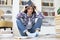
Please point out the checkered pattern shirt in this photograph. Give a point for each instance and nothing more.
(24, 18)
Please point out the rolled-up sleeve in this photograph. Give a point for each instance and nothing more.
(19, 15)
(40, 15)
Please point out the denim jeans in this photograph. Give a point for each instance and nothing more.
(21, 27)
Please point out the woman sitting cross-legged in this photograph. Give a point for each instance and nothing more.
(26, 21)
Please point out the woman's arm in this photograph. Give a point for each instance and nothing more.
(20, 15)
(40, 15)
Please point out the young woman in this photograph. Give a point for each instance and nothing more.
(26, 21)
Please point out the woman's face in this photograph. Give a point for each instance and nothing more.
(30, 10)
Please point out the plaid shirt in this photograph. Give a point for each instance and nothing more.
(24, 18)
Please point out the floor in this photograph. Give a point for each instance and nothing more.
(41, 37)
(49, 34)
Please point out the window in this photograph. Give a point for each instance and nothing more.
(51, 4)
(11, 1)
(6, 2)
(2, 2)
(53, 13)
(45, 13)
(45, 4)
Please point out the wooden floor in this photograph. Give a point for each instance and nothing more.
(41, 37)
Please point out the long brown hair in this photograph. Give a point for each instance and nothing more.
(26, 8)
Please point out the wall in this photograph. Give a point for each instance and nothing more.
(38, 4)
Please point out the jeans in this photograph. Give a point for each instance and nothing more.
(21, 27)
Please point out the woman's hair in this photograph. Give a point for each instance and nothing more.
(27, 7)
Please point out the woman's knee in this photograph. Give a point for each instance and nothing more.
(39, 20)
(18, 20)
